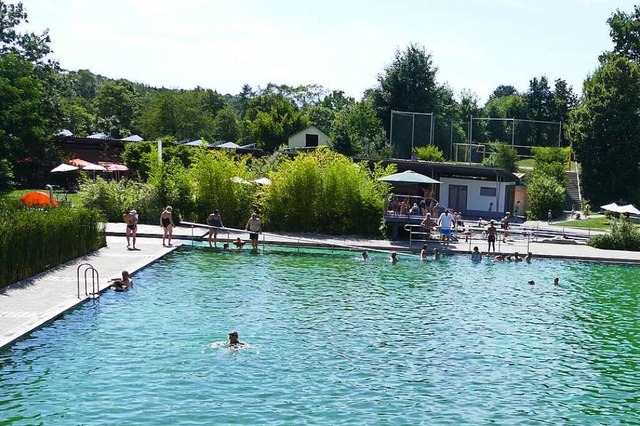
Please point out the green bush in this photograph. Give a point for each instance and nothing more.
(544, 194)
(623, 236)
(212, 187)
(33, 240)
(325, 192)
(502, 155)
(543, 154)
(113, 198)
(430, 153)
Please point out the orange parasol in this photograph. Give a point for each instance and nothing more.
(38, 198)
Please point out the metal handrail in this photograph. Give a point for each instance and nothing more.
(95, 280)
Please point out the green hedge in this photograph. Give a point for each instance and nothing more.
(33, 240)
(623, 236)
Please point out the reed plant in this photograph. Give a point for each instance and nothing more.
(33, 240)
(325, 192)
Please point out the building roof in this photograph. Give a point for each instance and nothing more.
(132, 138)
(306, 130)
(461, 170)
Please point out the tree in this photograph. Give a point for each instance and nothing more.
(226, 124)
(503, 156)
(408, 84)
(356, 129)
(270, 120)
(31, 47)
(116, 105)
(625, 33)
(503, 91)
(604, 131)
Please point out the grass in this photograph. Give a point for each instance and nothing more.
(601, 222)
(527, 163)
(75, 199)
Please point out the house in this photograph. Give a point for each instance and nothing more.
(308, 138)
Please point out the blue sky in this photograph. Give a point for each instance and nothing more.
(342, 45)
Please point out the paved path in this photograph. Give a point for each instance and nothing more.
(27, 305)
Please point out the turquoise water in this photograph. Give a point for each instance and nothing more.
(337, 341)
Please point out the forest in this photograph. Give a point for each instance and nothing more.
(38, 98)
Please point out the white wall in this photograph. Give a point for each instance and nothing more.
(299, 139)
(475, 201)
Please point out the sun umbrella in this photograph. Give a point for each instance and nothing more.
(616, 208)
(38, 198)
(86, 165)
(629, 208)
(238, 179)
(408, 177)
(263, 181)
(63, 168)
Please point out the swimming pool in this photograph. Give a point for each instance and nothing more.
(335, 341)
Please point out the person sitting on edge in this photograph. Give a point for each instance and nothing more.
(238, 243)
(415, 210)
(394, 258)
(436, 254)
(365, 256)
(528, 257)
(476, 256)
(122, 284)
(233, 339)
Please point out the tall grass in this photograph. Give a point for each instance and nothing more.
(325, 192)
(33, 240)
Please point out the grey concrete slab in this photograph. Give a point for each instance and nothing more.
(26, 305)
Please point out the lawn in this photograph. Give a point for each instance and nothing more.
(600, 222)
(75, 199)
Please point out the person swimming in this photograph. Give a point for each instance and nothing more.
(424, 252)
(394, 258)
(556, 281)
(476, 256)
(233, 339)
(365, 256)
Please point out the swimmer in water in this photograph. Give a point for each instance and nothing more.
(556, 281)
(476, 256)
(365, 256)
(436, 254)
(233, 339)
(122, 284)
(394, 258)
(424, 252)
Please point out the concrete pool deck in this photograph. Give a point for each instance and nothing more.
(28, 304)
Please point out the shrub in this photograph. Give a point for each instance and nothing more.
(33, 240)
(623, 236)
(212, 188)
(325, 192)
(544, 194)
(112, 198)
(503, 156)
(430, 153)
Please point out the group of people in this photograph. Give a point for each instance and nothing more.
(214, 221)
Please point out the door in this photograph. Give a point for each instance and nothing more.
(458, 198)
(311, 140)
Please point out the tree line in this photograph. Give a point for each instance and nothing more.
(38, 98)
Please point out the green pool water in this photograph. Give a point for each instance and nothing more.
(334, 340)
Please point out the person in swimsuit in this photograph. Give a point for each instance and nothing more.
(122, 284)
(476, 256)
(166, 221)
(131, 219)
(394, 258)
(491, 237)
(254, 226)
(233, 339)
(238, 243)
(214, 220)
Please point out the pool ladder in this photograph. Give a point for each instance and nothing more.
(95, 281)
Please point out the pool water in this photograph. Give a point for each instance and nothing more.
(334, 340)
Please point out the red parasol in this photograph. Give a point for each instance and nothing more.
(38, 198)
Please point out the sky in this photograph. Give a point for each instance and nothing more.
(344, 45)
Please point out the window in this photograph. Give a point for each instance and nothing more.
(487, 192)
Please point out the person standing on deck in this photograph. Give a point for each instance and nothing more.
(254, 226)
(131, 219)
(166, 222)
(491, 237)
(444, 221)
(215, 221)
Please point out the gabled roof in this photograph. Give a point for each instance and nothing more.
(306, 130)
(132, 138)
(99, 136)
